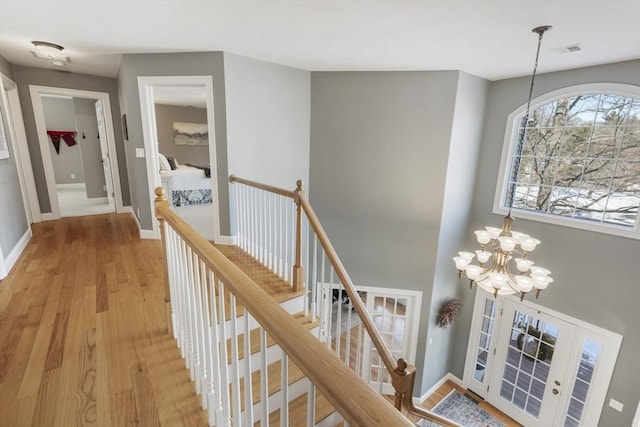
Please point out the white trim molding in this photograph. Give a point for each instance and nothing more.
(508, 148)
(43, 139)
(17, 250)
(146, 86)
(227, 240)
(448, 377)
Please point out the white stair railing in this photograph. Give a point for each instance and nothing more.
(211, 302)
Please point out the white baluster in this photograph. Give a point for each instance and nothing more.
(264, 378)
(235, 364)
(286, 244)
(216, 410)
(197, 314)
(192, 320)
(293, 238)
(348, 340)
(224, 359)
(306, 230)
(204, 337)
(248, 386)
(311, 405)
(338, 317)
(314, 280)
(171, 257)
(284, 390)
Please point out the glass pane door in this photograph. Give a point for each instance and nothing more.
(532, 353)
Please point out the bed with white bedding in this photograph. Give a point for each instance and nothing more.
(186, 185)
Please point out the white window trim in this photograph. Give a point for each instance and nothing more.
(508, 148)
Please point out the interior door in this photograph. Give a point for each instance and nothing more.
(104, 150)
(533, 350)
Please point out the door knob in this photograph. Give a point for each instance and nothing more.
(555, 391)
(556, 382)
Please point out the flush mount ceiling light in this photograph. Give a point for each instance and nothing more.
(48, 50)
(500, 247)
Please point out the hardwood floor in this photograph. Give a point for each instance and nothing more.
(83, 336)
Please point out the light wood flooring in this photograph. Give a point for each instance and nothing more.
(83, 337)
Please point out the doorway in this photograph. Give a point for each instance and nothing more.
(536, 365)
(77, 143)
(178, 123)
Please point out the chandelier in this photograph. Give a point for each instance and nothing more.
(503, 249)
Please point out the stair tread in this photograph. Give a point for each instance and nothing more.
(279, 289)
(254, 336)
(298, 411)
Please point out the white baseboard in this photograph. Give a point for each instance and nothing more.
(47, 216)
(126, 209)
(17, 250)
(227, 240)
(449, 376)
(147, 234)
(71, 186)
(144, 234)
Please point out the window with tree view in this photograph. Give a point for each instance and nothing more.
(578, 157)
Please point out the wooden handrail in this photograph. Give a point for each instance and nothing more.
(354, 298)
(349, 394)
(261, 186)
(402, 374)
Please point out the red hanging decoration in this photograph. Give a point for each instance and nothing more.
(67, 136)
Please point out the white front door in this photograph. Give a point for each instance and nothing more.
(532, 354)
(540, 367)
(104, 150)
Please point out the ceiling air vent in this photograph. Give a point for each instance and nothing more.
(568, 49)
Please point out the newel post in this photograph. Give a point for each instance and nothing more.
(402, 380)
(161, 201)
(298, 280)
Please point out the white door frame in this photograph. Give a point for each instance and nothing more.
(43, 139)
(602, 377)
(21, 151)
(146, 85)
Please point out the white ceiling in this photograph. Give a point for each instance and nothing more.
(488, 38)
(183, 96)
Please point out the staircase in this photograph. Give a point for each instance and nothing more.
(262, 310)
(293, 302)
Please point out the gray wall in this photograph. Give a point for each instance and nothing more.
(268, 115)
(456, 209)
(25, 76)
(5, 67)
(89, 142)
(268, 119)
(165, 116)
(596, 275)
(380, 145)
(59, 114)
(170, 64)
(13, 220)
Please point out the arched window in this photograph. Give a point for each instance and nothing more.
(577, 160)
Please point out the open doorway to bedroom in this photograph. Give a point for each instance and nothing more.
(177, 115)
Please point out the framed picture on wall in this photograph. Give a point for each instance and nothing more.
(4, 137)
(125, 131)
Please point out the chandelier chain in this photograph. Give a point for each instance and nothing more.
(525, 121)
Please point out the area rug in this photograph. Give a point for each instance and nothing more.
(462, 410)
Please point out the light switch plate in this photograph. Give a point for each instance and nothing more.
(139, 152)
(616, 405)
